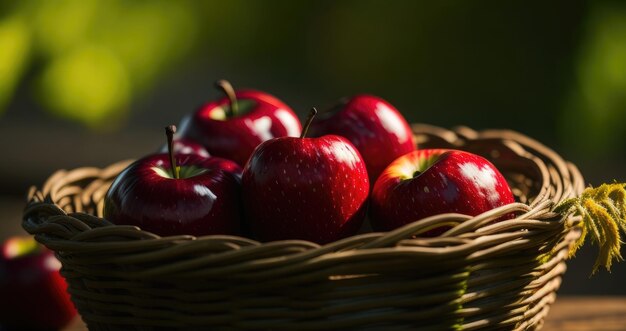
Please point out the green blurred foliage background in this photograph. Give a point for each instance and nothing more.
(89, 59)
(557, 70)
(89, 82)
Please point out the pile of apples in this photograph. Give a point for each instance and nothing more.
(244, 165)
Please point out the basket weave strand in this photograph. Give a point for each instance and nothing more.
(477, 275)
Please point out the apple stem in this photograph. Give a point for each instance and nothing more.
(309, 119)
(228, 89)
(169, 132)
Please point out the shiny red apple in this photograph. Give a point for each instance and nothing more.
(373, 126)
(186, 146)
(171, 194)
(313, 189)
(34, 294)
(234, 126)
(436, 181)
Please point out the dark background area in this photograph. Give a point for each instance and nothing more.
(88, 83)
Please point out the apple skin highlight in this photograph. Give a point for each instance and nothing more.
(186, 146)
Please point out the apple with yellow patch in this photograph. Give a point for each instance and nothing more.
(428, 182)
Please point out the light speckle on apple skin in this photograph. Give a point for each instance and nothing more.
(323, 214)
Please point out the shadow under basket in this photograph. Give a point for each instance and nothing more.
(478, 275)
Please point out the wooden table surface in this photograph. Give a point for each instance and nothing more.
(567, 314)
(587, 314)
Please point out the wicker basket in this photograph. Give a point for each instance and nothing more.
(478, 275)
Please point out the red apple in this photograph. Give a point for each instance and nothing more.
(234, 126)
(373, 126)
(200, 197)
(186, 146)
(305, 188)
(436, 181)
(34, 294)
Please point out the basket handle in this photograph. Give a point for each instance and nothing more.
(603, 213)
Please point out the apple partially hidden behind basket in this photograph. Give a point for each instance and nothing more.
(34, 294)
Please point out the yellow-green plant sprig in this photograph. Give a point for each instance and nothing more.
(603, 211)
